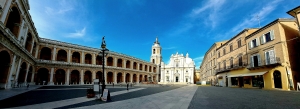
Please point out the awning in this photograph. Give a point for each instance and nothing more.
(248, 74)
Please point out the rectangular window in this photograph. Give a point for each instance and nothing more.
(267, 37)
(231, 48)
(240, 61)
(257, 80)
(255, 60)
(224, 64)
(234, 81)
(253, 43)
(239, 43)
(224, 51)
(270, 58)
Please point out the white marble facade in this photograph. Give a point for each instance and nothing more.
(179, 70)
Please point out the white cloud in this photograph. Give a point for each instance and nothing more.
(77, 34)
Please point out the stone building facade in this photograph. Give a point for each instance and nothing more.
(27, 58)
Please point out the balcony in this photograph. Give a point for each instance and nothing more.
(231, 67)
(265, 63)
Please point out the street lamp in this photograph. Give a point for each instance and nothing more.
(103, 49)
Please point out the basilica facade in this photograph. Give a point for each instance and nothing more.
(27, 58)
(179, 70)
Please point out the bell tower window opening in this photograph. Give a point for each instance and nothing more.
(153, 51)
(153, 60)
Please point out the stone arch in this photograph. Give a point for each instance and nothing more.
(45, 53)
(42, 77)
(153, 60)
(99, 73)
(154, 69)
(29, 75)
(87, 77)
(22, 73)
(59, 77)
(134, 65)
(146, 78)
(134, 78)
(110, 77)
(127, 77)
(127, 64)
(4, 66)
(75, 77)
(33, 49)
(62, 55)
(277, 79)
(150, 69)
(88, 58)
(14, 21)
(119, 77)
(99, 60)
(141, 78)
(146, 67)
(119, 63)
(76, 57)
(29, 42)
(110, 61)
(141, 67)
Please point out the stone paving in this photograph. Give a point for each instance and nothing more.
(158, 97)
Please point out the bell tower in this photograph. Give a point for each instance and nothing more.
(156, 53)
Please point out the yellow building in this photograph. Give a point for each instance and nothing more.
(208, 64)
(232, 59)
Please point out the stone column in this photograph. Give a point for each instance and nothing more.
(81, 77)
(115, 61)
(137, 66)
(25, 29)
(54, 54)
(68, 77)
(36, 51)
(69, 55)
(32, 44)
(18, 69)
(131, 65)
(124, 63)
(124, 77)
(6, 9)
(82, 57)
(21, 31)
(51, 76)
(138, 79)
(32, 76)
(12, 68)
(94, 59)
(115, 77)
(93, 75)
(27, 70)
(131, 77)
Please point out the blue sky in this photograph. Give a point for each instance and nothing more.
(131, 26)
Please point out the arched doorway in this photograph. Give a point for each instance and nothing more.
(29, 74)
(277, 79)
(141, 78)
(62, 56)
(99, 60)
(119, 77)
(59, 77)
(109, 77)
(42, 77)
(4, 66)
(87, 77)
(76, 57)
(29, 42)
(75, 77)
(146, 78)
(99, 74)
(88, 59)
(127, 78)
(22, 73)
(45, 53)
(110, 61)
(134, 78)
(14, 21)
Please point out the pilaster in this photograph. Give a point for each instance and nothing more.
(94, 59)
(32, 44)
(53, 54)
(131, 77)
(37, 51)
(27, 70)
(82, 57)
(32, 75)
(18, 69)
(68, 77)
(12, 68)
(93, 75)
(124, 77)
(51, 77)
(115, 77)
(81, 77)
(69, 55)
(6, 10)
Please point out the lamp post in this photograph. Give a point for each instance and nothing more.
(103, 49)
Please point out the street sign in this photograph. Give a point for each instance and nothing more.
(105, 93)
(96, 84)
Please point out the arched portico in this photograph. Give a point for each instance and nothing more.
(141, 78)
(88, 59)
(29, 74)
(62, 56)
(14, 21)
(4, 66)
(134, 78)
(110, 61)
(127, 78)
(76, 57)
(134, 65)
(22, 73)
(99, 60)
(127, 64)
(59, 77)
(29, 42)
(87, 77)
(99, 73)
(120, 63)
(42, 77)
(75, 77)
(45, 53)
(119, 77)
(110, 77)
(146, 78)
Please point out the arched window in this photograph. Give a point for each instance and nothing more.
(153, 51)
(153, 61)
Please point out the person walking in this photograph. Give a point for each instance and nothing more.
(127, 86)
